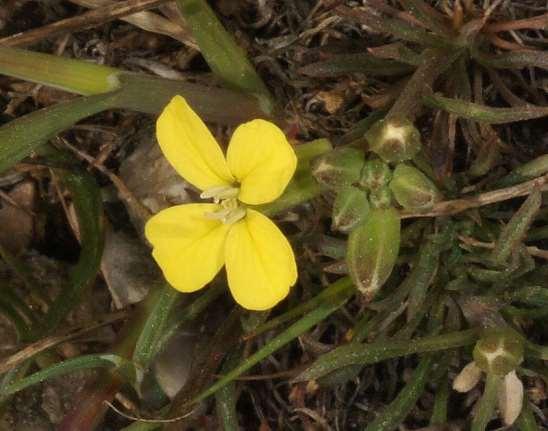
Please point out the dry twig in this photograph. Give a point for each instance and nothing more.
(81, 22)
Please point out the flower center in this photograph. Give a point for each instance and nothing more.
(226, 196)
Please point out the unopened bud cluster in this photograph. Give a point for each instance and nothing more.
(361, 185)
(366, 191)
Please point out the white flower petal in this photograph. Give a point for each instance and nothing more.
(467, 378)
(510, 398)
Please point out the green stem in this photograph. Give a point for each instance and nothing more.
(441, 398)
(487, 403)
(227, 397)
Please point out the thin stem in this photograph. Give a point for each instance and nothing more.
(459, 205)
(487, 403)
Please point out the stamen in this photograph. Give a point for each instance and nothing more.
(220, 193)
(230, 212)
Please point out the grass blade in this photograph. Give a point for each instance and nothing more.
(86, 198)
(66, 367)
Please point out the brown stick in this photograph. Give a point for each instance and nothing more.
(459, 205)
(81, 22)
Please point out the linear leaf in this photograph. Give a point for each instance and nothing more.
(482, 113)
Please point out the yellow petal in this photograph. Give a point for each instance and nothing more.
(262, 160)
(188, 247)
(260, 264)
(190, 147)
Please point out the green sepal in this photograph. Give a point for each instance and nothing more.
(339, 168)
(349, 209)
(412, 189)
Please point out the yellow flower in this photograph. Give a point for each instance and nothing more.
(192, 242)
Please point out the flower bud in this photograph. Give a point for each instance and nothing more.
(375, 174)
(349, 209)
(412, 189)
(498, 352)
(394, 140)
(338, 168)
(373, 248)
(381, 198)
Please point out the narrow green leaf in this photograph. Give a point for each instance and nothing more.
(86, 198)
(76, 76)
(225, 58)
(147, 344)
(19, 322)
(434, 62)
(227, 397)
(512, 60)
(360, 62)
(66, 367)
(515, 230)
(482, 113)
(370, 353)
(396, 27)
(441, 402)
(429, 16)
(394, 413)
(423, 272)
(20, 137)
(327, 294)
(295, 330)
